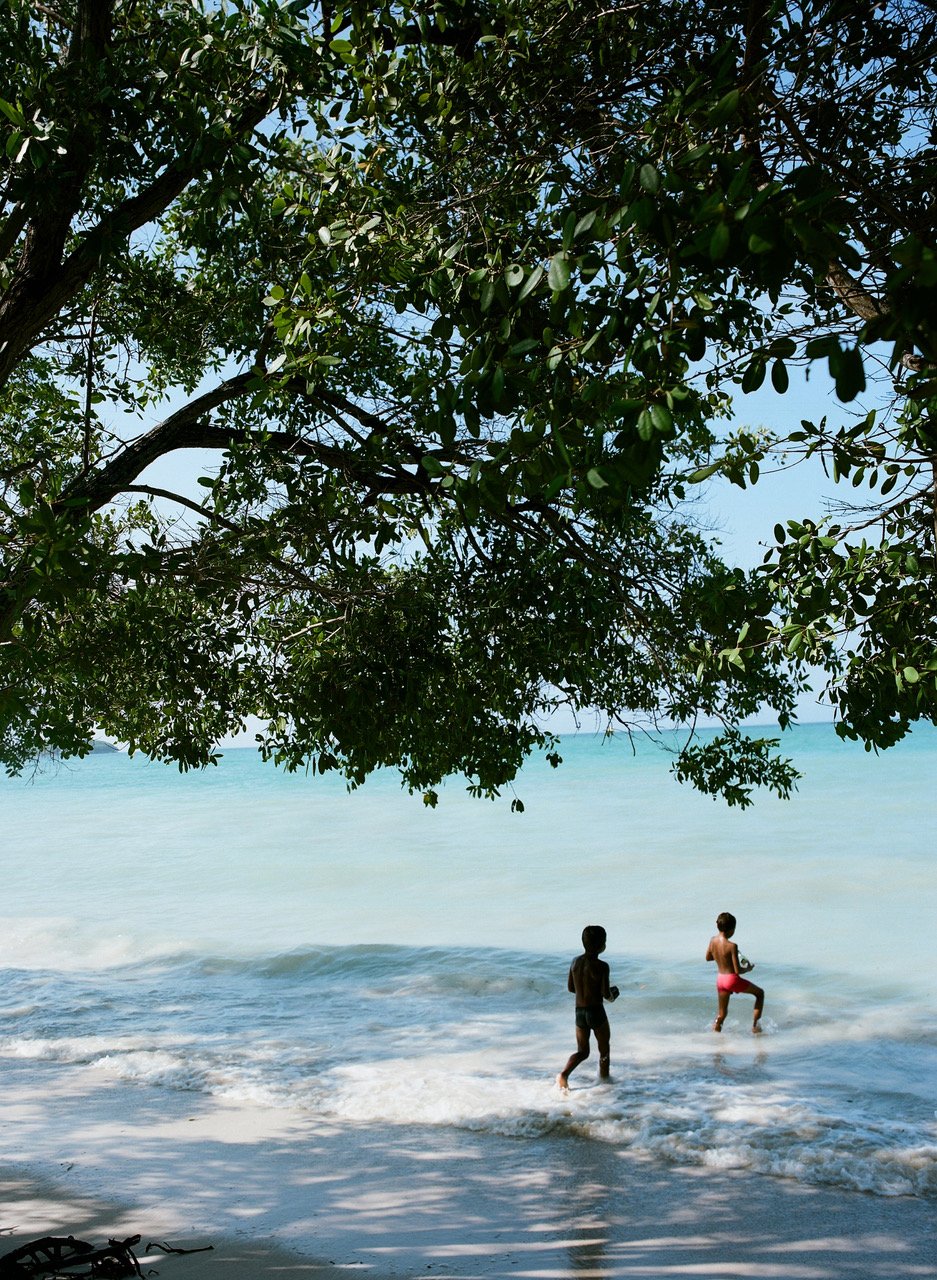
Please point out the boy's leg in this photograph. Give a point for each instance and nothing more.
(759, 1008)
(603, 1036)
(723, 1010)
(582, 1052)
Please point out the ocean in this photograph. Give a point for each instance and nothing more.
(272, 941)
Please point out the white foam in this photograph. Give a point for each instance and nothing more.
(69, 944)
(681, 1121)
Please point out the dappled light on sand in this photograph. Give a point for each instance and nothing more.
(402, 1202)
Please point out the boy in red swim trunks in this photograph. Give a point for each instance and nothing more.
(731, 966)
(588, 978)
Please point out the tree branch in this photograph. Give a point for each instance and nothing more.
(212, 517)
(189, 428)
(184, 429)
(42, 283)
(751, 78)
(12, 228)
(53, 14)
(856, 298)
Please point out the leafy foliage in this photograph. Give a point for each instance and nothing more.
(458, 295)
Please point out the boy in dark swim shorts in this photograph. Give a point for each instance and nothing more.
(588, 979)
(731, 966)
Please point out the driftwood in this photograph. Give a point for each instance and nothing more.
(64, 1256)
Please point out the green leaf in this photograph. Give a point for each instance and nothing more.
(753, 376)
(596, 480)
(13, 113)
(779, 377)
(584, 224)
(719, 242)
(704, 473)
(531, 283)
(661, 418)
(558, 277)
(649, 179)
(782, 348)
(849, 373)
(725, 107)
(758, 244)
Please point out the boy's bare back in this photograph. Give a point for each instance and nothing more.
(588, 978)
(725, 953)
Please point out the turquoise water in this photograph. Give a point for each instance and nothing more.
(270, 938)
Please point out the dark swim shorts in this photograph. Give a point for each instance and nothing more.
(591, 1018)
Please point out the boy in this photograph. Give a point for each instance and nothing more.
(731, 966)
(588, 978)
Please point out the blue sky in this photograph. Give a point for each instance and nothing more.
(745, 519)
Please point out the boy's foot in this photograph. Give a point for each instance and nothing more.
(756, 1028)
(717, 1025)
(562, 1083)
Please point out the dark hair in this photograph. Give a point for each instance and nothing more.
(593, 937)
(726, 922)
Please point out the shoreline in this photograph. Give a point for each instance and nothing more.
(281, 1194)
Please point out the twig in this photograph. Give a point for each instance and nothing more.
(169, 1248)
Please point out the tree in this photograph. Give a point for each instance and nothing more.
(719, 194)
(456, 292)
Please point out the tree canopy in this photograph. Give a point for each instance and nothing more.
(459, 296)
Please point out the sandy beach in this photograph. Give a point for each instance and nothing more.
(280, 1195)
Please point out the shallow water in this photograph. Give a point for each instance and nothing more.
(272, 939)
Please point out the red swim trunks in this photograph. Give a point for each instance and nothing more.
(734, 983)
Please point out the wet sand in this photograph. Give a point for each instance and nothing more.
(278, 1194)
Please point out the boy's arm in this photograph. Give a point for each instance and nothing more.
(608, 992)
(570, 984)
(734, 957)
(709, 951)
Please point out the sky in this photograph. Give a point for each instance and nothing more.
(744, 519)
